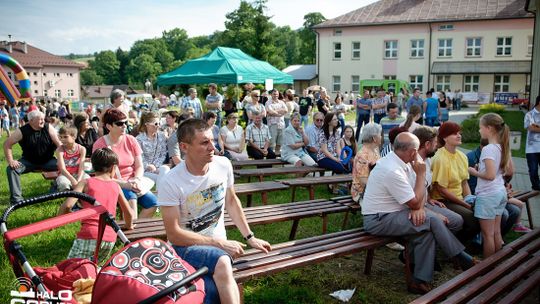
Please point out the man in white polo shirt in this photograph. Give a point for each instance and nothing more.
(393, 205)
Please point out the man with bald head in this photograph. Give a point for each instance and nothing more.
(393, 205)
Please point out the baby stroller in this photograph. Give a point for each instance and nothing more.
(145, 271)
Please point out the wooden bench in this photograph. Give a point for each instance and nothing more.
(303, 252)
(50, 175)
(261, 173)
(259, 215)
(524, 196)
(237, 164)
(311, 182)
(508, 276)
(262, 187)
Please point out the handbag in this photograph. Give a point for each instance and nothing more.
(145, 184)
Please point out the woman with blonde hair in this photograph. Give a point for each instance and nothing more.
(366, 158)
(415, 113)
(234, 138)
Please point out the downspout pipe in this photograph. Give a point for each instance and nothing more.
(429, 57)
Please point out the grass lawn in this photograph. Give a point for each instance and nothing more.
(310, 284)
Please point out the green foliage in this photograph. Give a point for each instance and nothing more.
(107, 66)
(469, 130)
(143, 67)
(90, 77)
(308, 37)
(493, 108)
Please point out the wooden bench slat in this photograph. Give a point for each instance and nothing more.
(508, 281)
(525, 288)
(249, 188)
(307, 181)
(257, 162)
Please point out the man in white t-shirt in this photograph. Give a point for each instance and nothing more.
(393, 205)
(193, 197)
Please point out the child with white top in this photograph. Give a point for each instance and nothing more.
(491, 194)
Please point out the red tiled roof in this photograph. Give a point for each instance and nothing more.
(35, 58)
(420, 11)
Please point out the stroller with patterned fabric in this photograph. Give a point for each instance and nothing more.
(145, 271)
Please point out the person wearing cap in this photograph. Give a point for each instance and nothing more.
(450, 178)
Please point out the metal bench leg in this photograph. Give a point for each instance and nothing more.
(324, 223)
(369, 261)
(529, 214)
(293, 229)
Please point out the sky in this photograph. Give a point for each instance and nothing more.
(83, 27)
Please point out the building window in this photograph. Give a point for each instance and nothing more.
(446, 27)
(35, 73)
(57, 74)
(45, 93)
(35, 82)
(10, 76)
(70, 74)
(389, 77)
(417, 48)
(337, 50)
(417, 81)
(529, 45)
(336, 83)
(44, 74)
(472, 83)
(474, 45)
(36, 92)
(70, 93)
(504, 46)
(443, 83)
(355, 81)
(337, 32)
(390, 49)
(356, 50)
(502, 83)
(445, 47)
(57, 93)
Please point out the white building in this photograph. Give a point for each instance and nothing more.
(471, 45)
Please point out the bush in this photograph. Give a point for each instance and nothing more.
(469, 130)
(493, 108)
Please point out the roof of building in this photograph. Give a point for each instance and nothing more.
(301, 71)
(34, 57)
(421, 11)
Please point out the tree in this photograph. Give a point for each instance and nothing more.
(141, 68)
(106, 66)
(309, 38)
(90, 77)
(123, 58)
(177, 42)
(155, 48)
(288, 44)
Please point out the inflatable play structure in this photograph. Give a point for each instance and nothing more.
(7, 87)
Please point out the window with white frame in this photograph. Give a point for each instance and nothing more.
(45, 93)
(445, 48)
(336, 83)
(446, 27)
(474, 47)
(57, 74)
(504, 46)
(337, 50)
(70, 93)
(443, 83)
(355, 83)
(389, 77)
(417, 81)
(417, 48)
(355, 50)
(36, 92)
(472, 83)
(502, 83)
(57, 93)
(529, 45)
(390, 49)
(337, 32)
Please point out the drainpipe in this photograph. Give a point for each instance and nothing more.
(318, 40)
(429, 57)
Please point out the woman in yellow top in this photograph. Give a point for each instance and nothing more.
(450, 175)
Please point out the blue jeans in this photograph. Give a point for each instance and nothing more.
(509, 218)
(341, 124)
(331, 164)
(304, 120)
(198, 257)
(377, 117)
(361, 119)
(14, 176)
(533, 160)
(430, 121)
(148, 200)
(218, 119)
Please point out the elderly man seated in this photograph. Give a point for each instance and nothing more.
(38, 141)
(258, 139)
(393, 205)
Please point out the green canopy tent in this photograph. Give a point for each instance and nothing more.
(224, 65)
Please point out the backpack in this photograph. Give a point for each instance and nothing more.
(62, 111)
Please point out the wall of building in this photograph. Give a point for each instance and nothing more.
(372, 63)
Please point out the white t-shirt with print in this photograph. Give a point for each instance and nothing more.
(484, 186)
(201, 199)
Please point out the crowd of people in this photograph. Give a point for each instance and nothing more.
(409, 177)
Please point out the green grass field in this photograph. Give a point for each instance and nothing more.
(311, 284)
